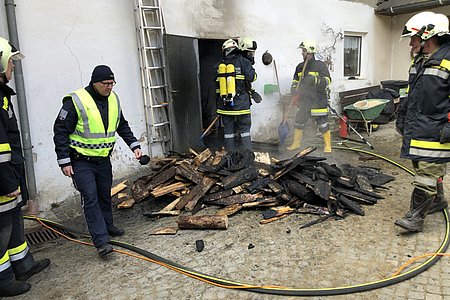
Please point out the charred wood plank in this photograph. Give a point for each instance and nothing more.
(203, 222)
(294, 163)
(257, 185)
(276, 187)
(218, 195)
(350, 205)
(187, 171)
(302, 178)
(240, 177)
(208, 169)
(356, 195)
(363, 182)
(322, 189)
(195, 194)
(236, 199)
(299, 190)
(331, 170)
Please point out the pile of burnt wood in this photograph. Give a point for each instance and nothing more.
(235, 180)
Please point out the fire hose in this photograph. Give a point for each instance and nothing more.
(68, 233)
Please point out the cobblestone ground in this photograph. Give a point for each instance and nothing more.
(334, 253)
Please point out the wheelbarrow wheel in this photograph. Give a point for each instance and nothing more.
(375, 127)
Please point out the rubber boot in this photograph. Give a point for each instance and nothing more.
(439, 202)
(298, 133)
(420, 204)
(14, 288)
(327, 142)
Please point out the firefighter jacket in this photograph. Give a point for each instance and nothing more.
(245, 75)
(10, 151)
(86, 126)
(426, 107)
(313, 89)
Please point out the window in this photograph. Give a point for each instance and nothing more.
(352, 55)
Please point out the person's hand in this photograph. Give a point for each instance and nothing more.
(67, 170)
(14, 194)
(137, 153)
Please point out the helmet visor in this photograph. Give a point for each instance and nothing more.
(15, 54)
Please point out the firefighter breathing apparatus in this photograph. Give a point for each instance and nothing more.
(81, 238)
(227, 83)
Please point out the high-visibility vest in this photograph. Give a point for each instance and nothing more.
(89, 137)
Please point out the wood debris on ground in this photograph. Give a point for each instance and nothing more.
(234, 181)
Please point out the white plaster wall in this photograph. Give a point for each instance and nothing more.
(279, 27)
(62, 42)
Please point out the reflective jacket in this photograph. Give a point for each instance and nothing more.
(10, 151)
(313, 87)
(90, 137)
(426, 108)
(245, 75)
(68, 122)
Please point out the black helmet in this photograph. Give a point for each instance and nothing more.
(267, 58)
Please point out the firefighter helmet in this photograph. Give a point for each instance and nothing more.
(247, 44)
(230, 43)
(309, 45)
(7, 51)
(426, 25)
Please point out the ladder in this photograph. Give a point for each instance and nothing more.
(150, 30)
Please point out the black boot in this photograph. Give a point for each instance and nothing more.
(36, 268)
(14, 288)
(104, 250)
(420, 204)
(439, 202)
(115, 231)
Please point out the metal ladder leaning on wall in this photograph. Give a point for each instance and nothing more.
(150, 30)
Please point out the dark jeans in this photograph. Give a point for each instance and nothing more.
(93, 179)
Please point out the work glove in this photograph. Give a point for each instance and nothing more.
(255, 96)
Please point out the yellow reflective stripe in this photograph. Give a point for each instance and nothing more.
(445, 64)
(18, 249)
(240, 77)
(319, 110)
(5, 147)
(233, 112)
(5, 103)
(313, 73)
(430, 145)
(254, 77)
(5, 258)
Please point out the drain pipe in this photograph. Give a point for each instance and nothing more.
(21, 101)
(390, 8)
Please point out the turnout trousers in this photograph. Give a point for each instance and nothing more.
(15, 255)
(93, 179)
(427, 175)
(243, 124)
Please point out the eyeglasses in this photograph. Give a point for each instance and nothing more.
(106, 84)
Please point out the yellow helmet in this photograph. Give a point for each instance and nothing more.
(309, 45)
(247, 44)
(7, 52)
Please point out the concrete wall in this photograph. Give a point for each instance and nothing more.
(279, 27)
(62, 42)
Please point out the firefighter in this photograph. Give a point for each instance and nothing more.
(424, 117)
(248, 46)
(234, 76)
(16, 261)
(84, 137)
(310, 86)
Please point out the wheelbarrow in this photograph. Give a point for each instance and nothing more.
(365, 111)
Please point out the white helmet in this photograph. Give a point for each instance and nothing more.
(247, 44)
(7, 51)
(230, 43)
(309, 45)
(426, 25)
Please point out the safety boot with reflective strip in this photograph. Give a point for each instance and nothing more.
(414, 219)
